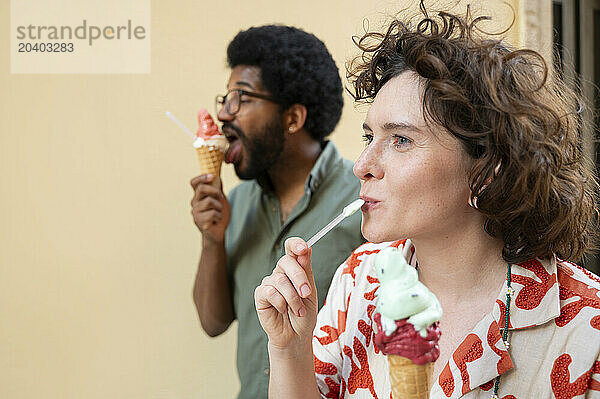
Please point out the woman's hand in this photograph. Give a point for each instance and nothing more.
(286, 301)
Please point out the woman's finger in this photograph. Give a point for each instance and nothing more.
(298, 249)
(282, 284)
(267, 296)
(295, 246)
(295, 273)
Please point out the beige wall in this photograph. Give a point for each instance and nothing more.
(97, 247)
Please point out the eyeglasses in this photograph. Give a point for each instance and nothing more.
(233, 99)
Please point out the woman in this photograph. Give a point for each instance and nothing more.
(472, 153)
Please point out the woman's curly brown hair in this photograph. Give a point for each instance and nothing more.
(521, 124)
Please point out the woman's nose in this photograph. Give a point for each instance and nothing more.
(368, 165)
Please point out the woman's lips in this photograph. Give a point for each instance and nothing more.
(370, 203)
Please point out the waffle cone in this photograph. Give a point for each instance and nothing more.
(210, 159)
(409, 380)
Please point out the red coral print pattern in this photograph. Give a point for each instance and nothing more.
(468, 351)
(372, 280)
(533, 292)
(366, 330)
(503, 315)
(328, 369)
(324, 367)
(595, 322)
(353, 262)
(370, 311)
(560, 377)
(334, 389)
(396, 244)
(595, 384)
(490, 384)
(353, 372)
(570, 287)
(369, 296)
(493, 336)
(360, 377)
(332, 332)
(591, 275)
(487, 386)
(446, 381)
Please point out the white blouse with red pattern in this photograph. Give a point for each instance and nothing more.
(554, 333)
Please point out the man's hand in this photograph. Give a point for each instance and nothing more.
(210, 208)
(286, 301)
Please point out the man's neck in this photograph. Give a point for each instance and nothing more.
(289, 174)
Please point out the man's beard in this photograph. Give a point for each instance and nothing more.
(262, 151)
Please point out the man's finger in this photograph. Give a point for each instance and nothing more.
(207, 219)
(207, 204)
(206, 190)
(218, 183)
(207, 178)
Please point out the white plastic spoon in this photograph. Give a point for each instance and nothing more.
(348, 210)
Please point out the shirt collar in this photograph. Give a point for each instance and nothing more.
(328, 160)
(534, 301)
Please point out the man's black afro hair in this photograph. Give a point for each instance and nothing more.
(295, 68)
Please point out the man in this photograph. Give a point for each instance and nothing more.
(284, 97)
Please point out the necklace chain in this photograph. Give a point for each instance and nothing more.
(509, 293)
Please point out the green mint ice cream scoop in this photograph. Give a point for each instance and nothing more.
(401, 295)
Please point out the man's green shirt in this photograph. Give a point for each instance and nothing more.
(255, 239)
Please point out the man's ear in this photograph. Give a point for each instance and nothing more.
(294, 118)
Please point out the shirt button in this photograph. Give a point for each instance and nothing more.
(266, 371)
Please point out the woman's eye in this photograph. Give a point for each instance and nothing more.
(367, 138)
